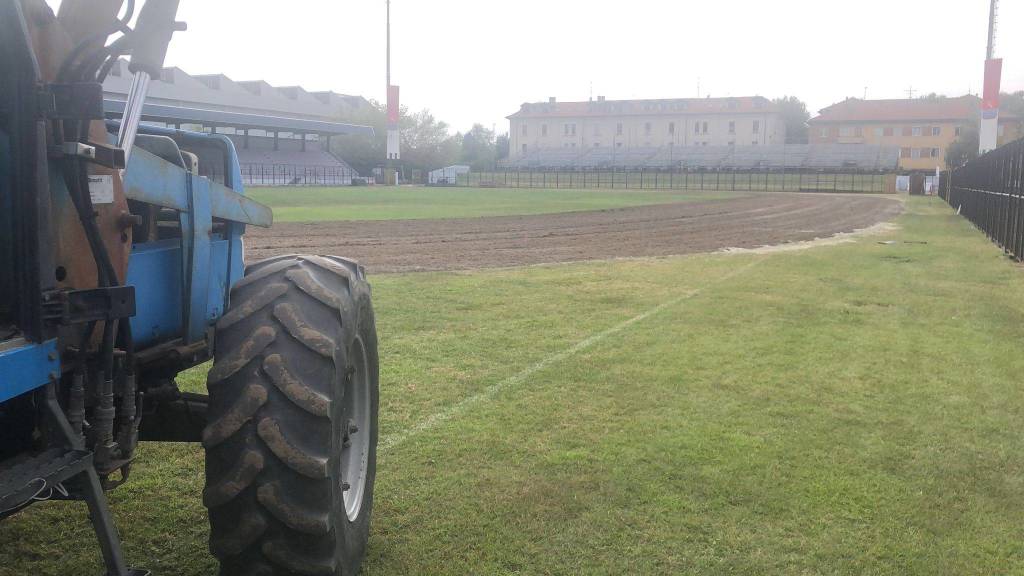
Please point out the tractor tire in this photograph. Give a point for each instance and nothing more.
(291, 439)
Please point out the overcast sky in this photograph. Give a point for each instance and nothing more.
(476, 61)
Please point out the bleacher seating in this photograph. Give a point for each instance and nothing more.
(773, 157)
(289, 165)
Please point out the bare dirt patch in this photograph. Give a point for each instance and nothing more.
(659, 230)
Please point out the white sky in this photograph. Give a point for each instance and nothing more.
(476, 61)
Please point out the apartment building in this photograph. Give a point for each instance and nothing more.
(922, 128)
(740, 121)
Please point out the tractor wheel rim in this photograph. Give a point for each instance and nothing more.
(355, 456)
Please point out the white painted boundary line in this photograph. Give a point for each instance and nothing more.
(434, 420)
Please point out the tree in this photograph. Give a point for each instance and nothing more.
(478, 148)
(794, 117)
(426, 143)
(964, 148)
(501, 147)
(363, 153)
(1013, 103)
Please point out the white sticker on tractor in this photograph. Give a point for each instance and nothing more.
(101, 188)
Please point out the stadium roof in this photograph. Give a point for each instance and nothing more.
(662, 107)
(217, 92)
(965, 108)
(183, 115)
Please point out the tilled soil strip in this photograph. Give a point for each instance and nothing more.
(657, 230)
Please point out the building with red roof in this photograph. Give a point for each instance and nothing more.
(922, 128)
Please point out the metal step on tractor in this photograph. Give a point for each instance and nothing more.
(122, 265)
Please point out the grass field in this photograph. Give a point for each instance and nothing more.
(386, 203)
(850, 409)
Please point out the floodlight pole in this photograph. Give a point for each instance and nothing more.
(990, 51)
(988, 128)
(388, 85)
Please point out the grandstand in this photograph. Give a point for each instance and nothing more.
(282, 134)
(846, 157)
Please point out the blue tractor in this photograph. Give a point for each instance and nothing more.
(121, 250)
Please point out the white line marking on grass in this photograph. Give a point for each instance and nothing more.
(392, 440)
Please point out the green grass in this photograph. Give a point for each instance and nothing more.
(852, 409)
(390, 202)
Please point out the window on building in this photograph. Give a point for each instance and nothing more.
(618, 144)
(858, 132)
(732, 126)
(732, 142)
(915, 153)
(704, 129)
(671, 127)
(544, 130)
(824, 132)
(844, 131)
(597, 144)
(1002, 130)
(573, 145)
(887, 131)
(618, 129)
(936, 130)
(524, 130)
(904, 152)
(703, 143)
(753, 142)
(757, 126)
(907, 131)
(647, 128)
(935, 152)
(956, 131)
(916, 131)
(696, 127)
(879, 132)
(524, 148)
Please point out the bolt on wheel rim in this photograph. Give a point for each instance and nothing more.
(355, 452)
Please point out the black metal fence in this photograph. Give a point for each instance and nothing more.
(765, 181)
(296, 175)
(988, 191)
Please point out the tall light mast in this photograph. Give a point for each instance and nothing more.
(393, 142)
(988, 132)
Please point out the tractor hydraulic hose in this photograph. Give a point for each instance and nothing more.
(76, 401)
(67, 67)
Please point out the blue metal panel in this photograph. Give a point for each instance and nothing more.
(153, 180)
(155, 270)
(27, 367)
(196, 228)
(216, 303)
